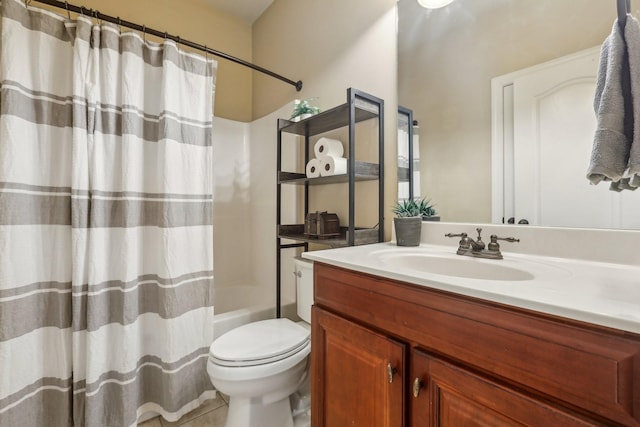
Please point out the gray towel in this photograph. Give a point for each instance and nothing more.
(625, 184)
(632, 40)
(612, 140)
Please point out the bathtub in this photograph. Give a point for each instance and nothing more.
(239, 305)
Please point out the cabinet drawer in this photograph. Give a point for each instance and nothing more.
(579, 365)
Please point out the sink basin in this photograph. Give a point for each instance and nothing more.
(425, 261)
(456, 265)
(472, 268)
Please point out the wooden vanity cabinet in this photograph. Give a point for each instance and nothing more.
(460, 361)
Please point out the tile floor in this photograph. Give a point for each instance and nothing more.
(212, 413)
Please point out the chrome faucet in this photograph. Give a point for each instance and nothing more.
(476, 248)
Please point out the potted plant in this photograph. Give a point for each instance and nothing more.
(408, 222)
(303, 109)
(427, 211)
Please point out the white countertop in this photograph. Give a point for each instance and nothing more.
(595, 292)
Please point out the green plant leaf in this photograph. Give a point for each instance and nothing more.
(304, 107)
(406, 208)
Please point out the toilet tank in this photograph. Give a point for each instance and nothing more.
(304, 288)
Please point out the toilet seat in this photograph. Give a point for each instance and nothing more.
(259, 343)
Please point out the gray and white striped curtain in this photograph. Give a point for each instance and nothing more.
(106, 263)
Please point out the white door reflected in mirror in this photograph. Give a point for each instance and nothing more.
(544, 122)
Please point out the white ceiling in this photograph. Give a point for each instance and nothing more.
(246, 10)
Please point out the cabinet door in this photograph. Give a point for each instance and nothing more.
(452, 396)
(357, 375)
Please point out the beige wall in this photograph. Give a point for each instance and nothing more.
(332, 45)
(446, 61)
(195, 21)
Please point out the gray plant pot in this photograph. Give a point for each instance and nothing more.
(431, 218)
(408, 230)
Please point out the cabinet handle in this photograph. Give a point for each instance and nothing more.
(391, 371)
(417, 386)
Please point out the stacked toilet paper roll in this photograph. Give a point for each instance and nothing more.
(328, 147)
(313, 168)
(330, 166)
(329, 160)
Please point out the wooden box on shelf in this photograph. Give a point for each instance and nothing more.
(321, 225)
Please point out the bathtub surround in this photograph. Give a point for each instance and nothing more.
(105, 223)
(244, 172)
(239, 305)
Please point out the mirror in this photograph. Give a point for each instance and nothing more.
(447, 59)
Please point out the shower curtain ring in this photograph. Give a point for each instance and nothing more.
(119, 25)
(144, 33)
(66, 6)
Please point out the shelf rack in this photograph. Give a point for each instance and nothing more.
(359, 107)
(405, 173)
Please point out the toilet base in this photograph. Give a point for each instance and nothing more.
(248, 412)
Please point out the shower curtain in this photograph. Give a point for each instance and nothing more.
(106, 235)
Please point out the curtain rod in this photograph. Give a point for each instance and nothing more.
(162, 34)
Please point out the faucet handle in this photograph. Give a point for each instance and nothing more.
(464, 241)
(508, 239)
(479, 230)
(494, 246)
(464, 244)
(463, 235)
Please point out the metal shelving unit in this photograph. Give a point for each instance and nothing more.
(405, 172)
(359, 107)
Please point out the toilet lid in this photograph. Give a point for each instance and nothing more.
(258, 343)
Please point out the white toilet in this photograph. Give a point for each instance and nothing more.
(261, 364)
